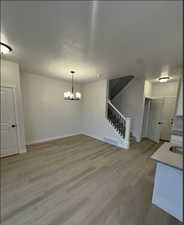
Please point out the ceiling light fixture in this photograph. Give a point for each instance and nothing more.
(5, 49)
(70, 95)
(164, 79)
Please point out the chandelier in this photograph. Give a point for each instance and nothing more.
(70, 95)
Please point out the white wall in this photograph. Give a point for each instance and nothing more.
(147, 89)
(47, 114)
(94, 121)
(146, 118)
(130, 102)
(10, 76)
(168, 89)
(179, 108)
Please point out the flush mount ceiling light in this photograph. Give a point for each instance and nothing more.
(164, 79)
(5, 49)
(70, 95)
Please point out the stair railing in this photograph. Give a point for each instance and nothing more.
(121, 123)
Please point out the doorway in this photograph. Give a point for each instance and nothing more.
(155, 119)
(9, 138)
(158, 118)
(167, 118)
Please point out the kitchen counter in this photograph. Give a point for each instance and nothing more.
(164, 155)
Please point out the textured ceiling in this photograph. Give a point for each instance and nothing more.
(96, 38)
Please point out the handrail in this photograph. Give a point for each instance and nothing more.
(121, 123)
(109, 102)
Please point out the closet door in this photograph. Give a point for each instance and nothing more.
(168, 114)
(155, 119)
(9, 143)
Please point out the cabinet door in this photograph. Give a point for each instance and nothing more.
(179, 109)
(168, 190)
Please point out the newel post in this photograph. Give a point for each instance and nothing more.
(127, 132)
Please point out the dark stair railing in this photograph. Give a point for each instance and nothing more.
(120, 123)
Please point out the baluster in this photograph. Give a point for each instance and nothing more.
(116, 120)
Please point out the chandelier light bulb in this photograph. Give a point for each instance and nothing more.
(78, 95)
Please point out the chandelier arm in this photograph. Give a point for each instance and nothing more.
(72, 85)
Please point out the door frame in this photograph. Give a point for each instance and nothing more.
(145, 125)
(16, 113)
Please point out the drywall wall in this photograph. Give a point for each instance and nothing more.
(130, 102)
(94, 122)
(179, 108)
(147, 89)
(146, 118)
(157, 89)
(168, 89)
(47, 115)
(10, 76)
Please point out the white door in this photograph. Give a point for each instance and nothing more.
(155, 119)
(9, 143)
(168, 114)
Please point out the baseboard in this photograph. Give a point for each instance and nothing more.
(120, 145)
(51, 139)
(123, 145)
(24, 150)
(92, 136)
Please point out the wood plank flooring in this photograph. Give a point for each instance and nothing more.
(80, 181)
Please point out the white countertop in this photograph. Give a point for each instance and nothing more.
(165, 156)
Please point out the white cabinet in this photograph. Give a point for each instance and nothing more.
(168, 190)
(179, 106)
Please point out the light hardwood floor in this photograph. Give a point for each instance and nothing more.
(80, 181)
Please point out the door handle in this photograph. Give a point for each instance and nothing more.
(13, 125)
(160, 123)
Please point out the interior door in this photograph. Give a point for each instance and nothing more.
(9, 143)
(168, 114)
(155, 119)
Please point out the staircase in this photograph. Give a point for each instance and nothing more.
(120, 123)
